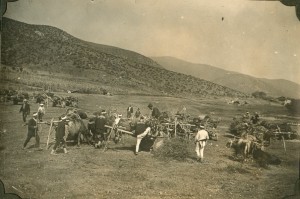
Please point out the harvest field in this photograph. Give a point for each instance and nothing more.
(87, 172)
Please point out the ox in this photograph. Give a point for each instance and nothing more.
(116, 122)
(77, 130)
(243, 146)
(249, 146)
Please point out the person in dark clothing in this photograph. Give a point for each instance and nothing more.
(59, 135)
(142, 129)
(138, 113)
(100, 129)
(25, 109)
(129, 111)
(32, 131)
(155, 113)
(255, 118)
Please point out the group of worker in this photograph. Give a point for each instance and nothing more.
(142, 129)
(155, 113)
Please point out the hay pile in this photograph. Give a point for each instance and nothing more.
(173, 149)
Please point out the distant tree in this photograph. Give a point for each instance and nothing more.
(282, 98)
(294, 106)
(259, 94)
(104, 91)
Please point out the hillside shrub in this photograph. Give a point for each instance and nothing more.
(259, 94)
(294, 106)
(237, 127)
(175, 148)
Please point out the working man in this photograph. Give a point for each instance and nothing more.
(41, 112)
(137, 113)
(25, 109)
(60, 133)
(129, 111)
(155, 113)
(255, 118)
(200, 140)
(115, 125)
(141, 131)
(100, 129)
(32, 131)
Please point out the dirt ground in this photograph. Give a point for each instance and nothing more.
(87, 172)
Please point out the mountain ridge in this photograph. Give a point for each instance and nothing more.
(231, 79)
(51, 49)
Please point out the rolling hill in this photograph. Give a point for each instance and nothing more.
(64, 57)
(234, 80)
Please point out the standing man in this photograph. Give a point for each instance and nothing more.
(255, 118)
(60, 133)
(200, 140)
(100, 129)
(155, 113)
(41, 112)
(141, 130)
(115, 125)
(25, 109)
(32, 131)
(137, 113)
(246, 118)
(129, 111)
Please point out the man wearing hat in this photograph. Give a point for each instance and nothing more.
(137, 113)
(155, 113)
(200, 140)
(32, 131)
(255, 118)
(59, 135)
(41, 112)
(100, 129)
(129, 111)
(25, 109)
(246, 118)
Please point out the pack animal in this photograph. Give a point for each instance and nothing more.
(78, 131)
(243, 146)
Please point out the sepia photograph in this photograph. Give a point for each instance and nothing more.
(150, 99)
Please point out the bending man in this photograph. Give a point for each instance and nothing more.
(141, 130)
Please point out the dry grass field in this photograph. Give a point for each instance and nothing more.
(117, 173)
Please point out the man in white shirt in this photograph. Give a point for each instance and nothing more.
(115, 125)
(200, 140)
(41, 112)
(141, 130)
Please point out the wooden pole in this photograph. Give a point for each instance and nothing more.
(121, 130)
(175, 122)
(107, 140)
(282, 138)
(50, 129)
(284, 146)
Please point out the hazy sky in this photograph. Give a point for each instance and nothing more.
(257, 38)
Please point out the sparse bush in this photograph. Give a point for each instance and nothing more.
(175, 148)
(237, 127)
(294, 106)
(259, 94)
